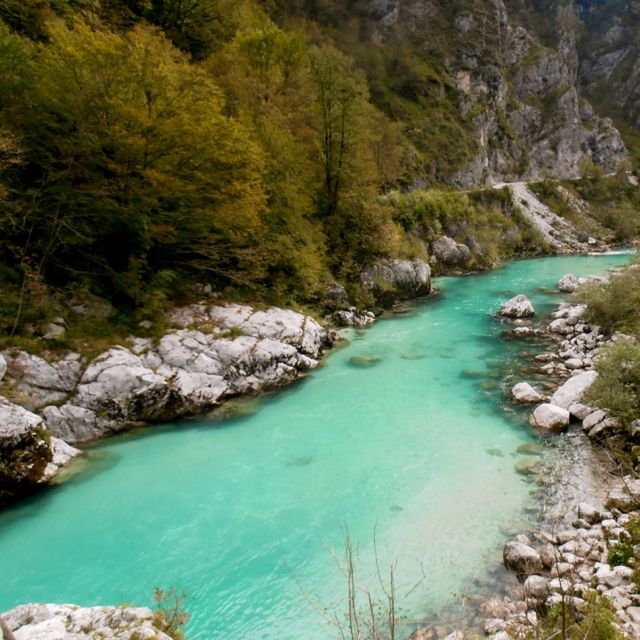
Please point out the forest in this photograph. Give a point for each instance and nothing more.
(148, 146)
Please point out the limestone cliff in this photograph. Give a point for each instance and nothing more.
(487, 91)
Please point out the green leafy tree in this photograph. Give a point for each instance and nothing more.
(138, 169)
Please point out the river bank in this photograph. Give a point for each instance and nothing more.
(392, 446)
(579, 555)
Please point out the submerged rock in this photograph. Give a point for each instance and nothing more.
(70, 622)
(518, 307)
(528, 466)
(550, 417)
(530, 449)
(364, 361)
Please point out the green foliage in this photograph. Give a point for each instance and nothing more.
(121, 132)
(617, 387)
(486, 220)
(620, 554)
(594, 621)
(613, 305)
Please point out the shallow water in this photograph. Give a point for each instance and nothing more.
(244, 514)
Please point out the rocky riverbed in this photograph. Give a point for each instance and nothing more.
(587, 505)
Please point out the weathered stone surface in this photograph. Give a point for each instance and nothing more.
(450, 253)
(518, 307)
(536, 587)
(70, 622)
(550, 417)
(524, 392)
(521, 558)
(573, 389)
(30, 456)
(589, 513)
(238, 350)
(568, 283)
(592, 419)
(353, 318)
(625, 496)
(3, 366)
(391, 280)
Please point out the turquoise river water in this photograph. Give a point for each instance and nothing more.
(245, 514)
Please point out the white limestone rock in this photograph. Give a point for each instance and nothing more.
(70, 622)
(525, 393)
(536, 587)
(550, 417)
(41, 382)
(521, 558)
(568, 283)
(573, 389)
(518, 307)
(593, 419)
(3, 366)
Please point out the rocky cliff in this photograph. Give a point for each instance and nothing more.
(609, 52)
(499, 81)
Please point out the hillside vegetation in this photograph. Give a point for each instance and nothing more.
(149, 146)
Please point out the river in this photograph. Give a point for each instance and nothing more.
(245, 514)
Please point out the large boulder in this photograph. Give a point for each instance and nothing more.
(568, 283)
(30, 457)
(525, 393)
(70, 622)
(518, 307)
(521, 558)
(573, 389)
(550, 417)
(625, 496)
(390, 280)
(220, 351)
(40, 382)
(450, 253)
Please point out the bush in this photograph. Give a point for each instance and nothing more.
(617, 387)
(614, 305)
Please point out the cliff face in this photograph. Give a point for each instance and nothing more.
(489, 91)
(609, 52)
(519, 88)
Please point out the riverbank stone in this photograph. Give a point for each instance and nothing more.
(70, 622)
(550, 417)
(525, 393)
(573, 389)
(521, 558)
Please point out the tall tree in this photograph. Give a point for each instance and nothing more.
(138, 169)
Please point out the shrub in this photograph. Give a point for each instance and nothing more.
(614, 305)
(617, 387)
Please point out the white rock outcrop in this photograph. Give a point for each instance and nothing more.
(550, 417)
(524, 392)
(518, 307)
(70, 622)
(573, 389)
(30, 456)
(215, 351)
